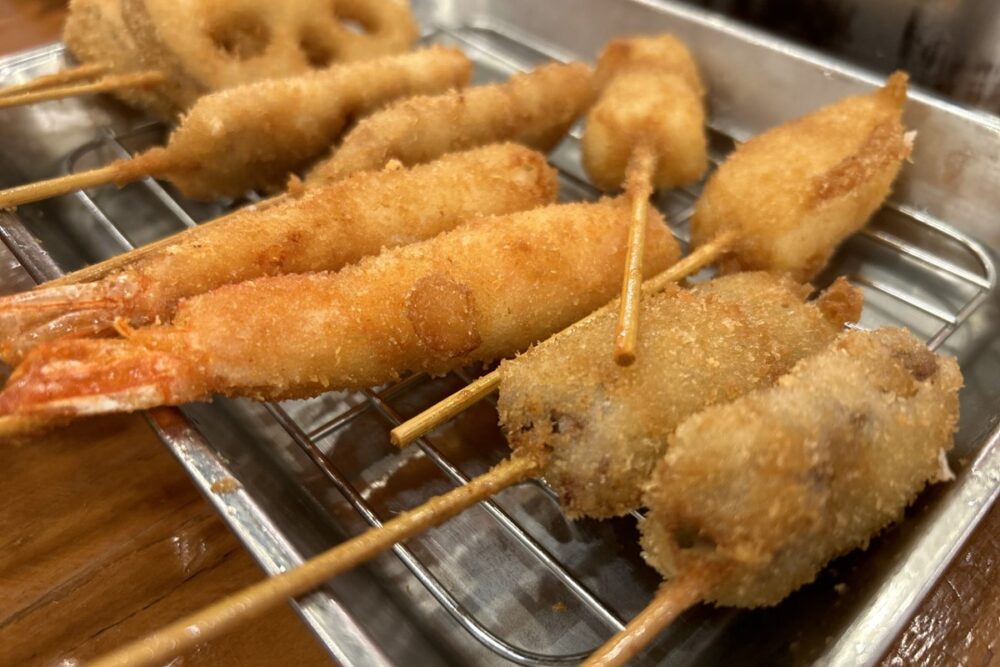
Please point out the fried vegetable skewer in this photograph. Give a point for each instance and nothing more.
(841, 154)
(244, 137)
(754, 497)
(535, 108)
(482, 291)
(325, 229)
(525, 464)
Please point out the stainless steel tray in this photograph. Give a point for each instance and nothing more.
(513, 580)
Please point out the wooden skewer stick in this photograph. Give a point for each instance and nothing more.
(444, 410)
(103, 85)
(639, 186)
(69, 75)
(180, 636)
(53, 187)
(673, 598)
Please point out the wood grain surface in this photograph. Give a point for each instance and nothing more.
(104, 538)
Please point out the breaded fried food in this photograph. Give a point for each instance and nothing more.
(795, 192)
(762, 492)
(325, 229)
(95, 32)
(599, 427)
(484, 290)
(254, 136)
(535, 109)
(651, 96)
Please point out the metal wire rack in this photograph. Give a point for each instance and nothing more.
(958, 276)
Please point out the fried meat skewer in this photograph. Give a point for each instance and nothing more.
(827, 171)
(709, 312)
(324, 229)
(535, 108)
(482, 291)
(248, 137)
(754, 497)
(647, 129)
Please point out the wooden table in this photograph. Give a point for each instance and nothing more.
(104, 538)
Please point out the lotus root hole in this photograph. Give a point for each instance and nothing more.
(319, 52)
(240, 36)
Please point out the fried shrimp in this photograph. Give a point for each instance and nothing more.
(598, 427)
(535, 109)
(482, 291)
(254, 136)
(652, 98)
(761, 493)
(794, 193)
(328, 227)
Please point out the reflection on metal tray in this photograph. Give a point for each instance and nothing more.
(512, 580)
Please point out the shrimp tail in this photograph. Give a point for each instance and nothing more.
(47, 313)
(76, 377)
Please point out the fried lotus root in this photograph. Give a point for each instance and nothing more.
(795, 192)
(761, 493)
(325, 229)
(482, 291)
(599, 427)
(535, 108)
(651, 96)
(210, 45)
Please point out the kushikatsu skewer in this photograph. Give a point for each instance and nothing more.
(103, 85)
(754, 497)
(829, 170)
(647, 129)
(323, 229)
(701, 310)
(246, 137)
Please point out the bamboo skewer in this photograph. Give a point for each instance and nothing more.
(64, 76)
(444, 410)
(671, 600)
(102, 85)
(31, 192)
(184, 634)
(639, 185)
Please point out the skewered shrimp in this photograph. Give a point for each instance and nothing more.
(481, 291)
(535, 109)
(795, 192)
(598, 427)
(326, 228)
(651, 99)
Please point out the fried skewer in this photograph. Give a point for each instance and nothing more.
(245, 138)
(829, 171)
(662, 332)
(482, 291)
(324, 229)
(535, 108)
(756, 496)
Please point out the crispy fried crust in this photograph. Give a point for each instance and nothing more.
(601, 427)
(765, 490)
(794, 193)
(535, 109)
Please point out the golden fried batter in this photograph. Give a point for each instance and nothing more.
(254, 136)
(762, 492)
(601, 427)
(324, 229)
(535, 109)
(794, 193)
(651, 96)
(484, 290)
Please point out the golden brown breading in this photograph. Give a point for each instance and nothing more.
(535, 109)
(484, 290)
(794, 193)
(651, 96)
(255, 135)
(762, 492)
(324, 229)
(600, 427)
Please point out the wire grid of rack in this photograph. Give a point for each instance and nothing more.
(965, 277)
